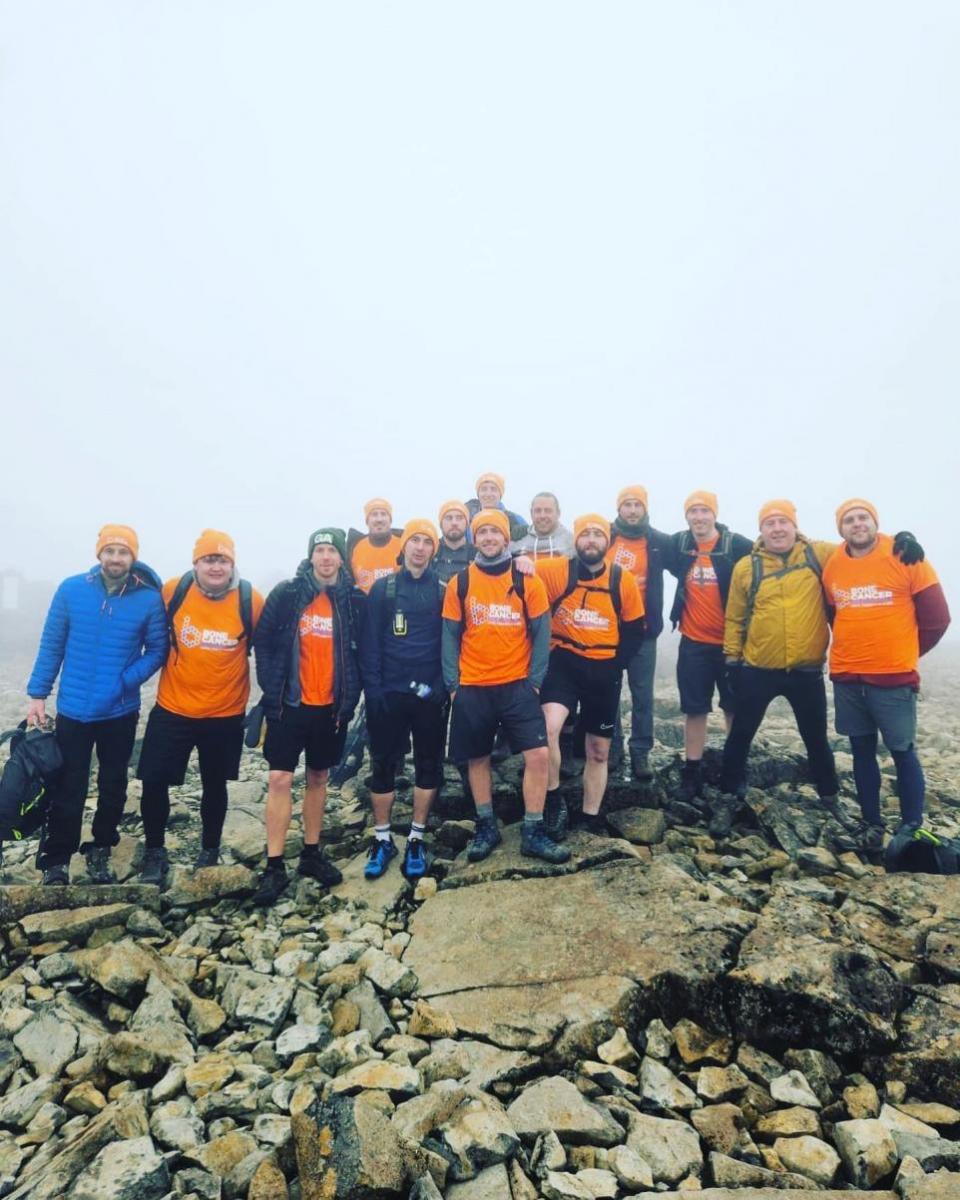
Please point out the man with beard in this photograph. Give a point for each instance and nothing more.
(597, 620)
(104, 635)
(454, 552)
(374, 554)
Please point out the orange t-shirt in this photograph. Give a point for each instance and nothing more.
(875, 627)
(702, 618)
(631, 554)
(585, 622)
(316, 652)
(495, 647)
(208, 674)
(368, 562)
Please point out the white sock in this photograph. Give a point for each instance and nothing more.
(382, 833)
(416, 832)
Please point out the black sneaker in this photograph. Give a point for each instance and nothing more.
(485, 839)
(317, 866)
(640, 766)
(556, 816)
(869, 840)
(58, 876)
(535, 843)
(154, 868)
(590, 823)
(272, 885)
(209, 856)
(98, 864)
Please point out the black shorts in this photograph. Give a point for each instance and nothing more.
(591, 683)
(700, 669)
(392, 723)
(478, 712)
(304, 727)
(170, 738)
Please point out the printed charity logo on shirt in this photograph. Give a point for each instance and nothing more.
(705, 576)
(315, 625)
(492, 614)
(628, 561)
(866, 595)
(193, 636)
(367, 576)
(582, 618)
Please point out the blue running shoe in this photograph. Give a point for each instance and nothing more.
(414, 860)
(379, 857)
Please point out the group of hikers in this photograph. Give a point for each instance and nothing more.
(500, 626)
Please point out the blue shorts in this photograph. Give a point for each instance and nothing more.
(862, 709)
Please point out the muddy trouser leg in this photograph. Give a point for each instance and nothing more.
(754, 692)
(807, 696)
(640, 673)
(61, 835)
(114, 739)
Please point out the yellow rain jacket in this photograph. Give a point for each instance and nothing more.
(788, 624)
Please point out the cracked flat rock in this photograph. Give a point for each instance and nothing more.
(506, 862)
(642, 921)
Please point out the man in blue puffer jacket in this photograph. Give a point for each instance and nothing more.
(107, 632)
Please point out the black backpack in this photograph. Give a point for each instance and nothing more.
(34, 760)
(916, 849)
(246, 609)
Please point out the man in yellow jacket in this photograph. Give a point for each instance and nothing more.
(775, 642)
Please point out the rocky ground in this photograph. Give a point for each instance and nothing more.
(767, 1016)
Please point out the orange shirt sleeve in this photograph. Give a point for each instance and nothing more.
(631, 601)
(256, 603)
(451, 602)
(535, 594)
(554, 574)
(921, 576)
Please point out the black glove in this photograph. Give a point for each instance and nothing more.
(907, 548)
(731, 674)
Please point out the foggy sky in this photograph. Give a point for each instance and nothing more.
(259, 262)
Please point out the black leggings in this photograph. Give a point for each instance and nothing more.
(155, 809)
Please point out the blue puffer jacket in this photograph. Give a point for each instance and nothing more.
(107, 645)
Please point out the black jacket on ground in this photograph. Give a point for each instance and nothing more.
(277, 642)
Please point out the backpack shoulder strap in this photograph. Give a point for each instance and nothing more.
(756, 578)
(245, 590)
(390, 589)
(812, 561)
(179, 592)
(616, 580)
(726, 542)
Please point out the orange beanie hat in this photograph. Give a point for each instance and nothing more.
(778, 508)
(453, 506)
(213, 541)
(856, 502)
(591, 521)
(118, 535)
(420, 525)
(377, 502)
(707, 499)
(492, 477)
(491, 516)
(633, 491)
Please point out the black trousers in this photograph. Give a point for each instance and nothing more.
(804, 691)
(113, 740)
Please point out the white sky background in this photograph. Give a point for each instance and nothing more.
(260, 261)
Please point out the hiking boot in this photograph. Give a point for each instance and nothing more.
(318, 866)
(378, 858)
(535, 843)
(691, 782)
(98, 864)
(556, 817)
(869, 840)
(414, 860)
(154, 868)
(590, 823)
(272, 885)
(640, 766)
(209, 856)
(485, 839)
(58, 876)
